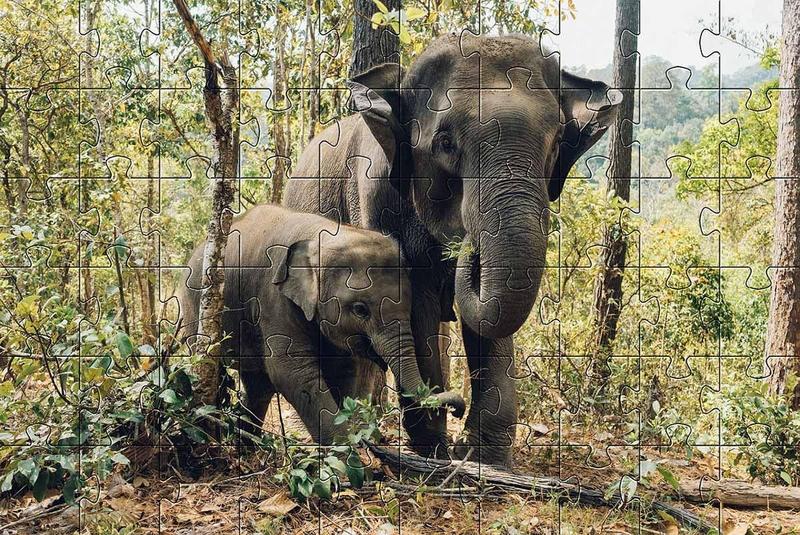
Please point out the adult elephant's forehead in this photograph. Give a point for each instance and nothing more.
(470, 61)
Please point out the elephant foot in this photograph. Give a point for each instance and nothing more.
(483, 451)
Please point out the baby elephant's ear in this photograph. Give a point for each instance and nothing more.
(296, 275)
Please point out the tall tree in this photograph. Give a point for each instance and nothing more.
(315, 78)
(278, 101)
(372, 46)
(783, 329)
(608, 289)
(221, 105)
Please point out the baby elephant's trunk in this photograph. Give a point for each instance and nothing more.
(395, 345)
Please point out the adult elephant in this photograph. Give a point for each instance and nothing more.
(473, 142)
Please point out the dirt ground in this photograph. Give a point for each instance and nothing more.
(239, 494)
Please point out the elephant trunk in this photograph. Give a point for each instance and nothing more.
(395, 345)
(500, 269)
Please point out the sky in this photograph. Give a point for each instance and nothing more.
(670, 29)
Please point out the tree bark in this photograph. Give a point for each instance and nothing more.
(372, 47)
(147, 277)
(25, 157)
(316, 79)
(220, 106)
(736, 493)
(126, 324)
(608, 289)
(278, 101)
(476, 479)
(783, 329)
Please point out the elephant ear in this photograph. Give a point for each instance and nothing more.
(588, 112)
(375, 94)
(296, 275)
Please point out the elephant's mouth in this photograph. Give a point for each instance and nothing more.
(373, 356)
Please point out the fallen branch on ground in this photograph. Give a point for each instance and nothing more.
(491, 480)
(737, 493)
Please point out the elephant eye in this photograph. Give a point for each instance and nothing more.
(445, 142)
(360, 309)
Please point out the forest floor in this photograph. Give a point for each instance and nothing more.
(239, 494)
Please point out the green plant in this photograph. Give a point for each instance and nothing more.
(318, 471)
(455, 247)
(770, 432)
(93, 409)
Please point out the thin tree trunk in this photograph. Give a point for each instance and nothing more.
(25, 157)
(10, 204)
(148, 275)
(372, 47)
(316, 81)
(220, 106)
(278, 100)
(86, 279)
(783, 329)
(608, 289)
(147, 278)
(126, 325)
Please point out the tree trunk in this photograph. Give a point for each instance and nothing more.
(147, 277)
(10, 204)
(372, 47)
(736, 493)
(279, 101)
(316, 79)
(220, 106)
(126, 324)
(783, 329)
(608, 289)
(25, 157)
(219, 113)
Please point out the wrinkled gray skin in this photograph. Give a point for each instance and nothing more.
(475, 145)
(295, 328)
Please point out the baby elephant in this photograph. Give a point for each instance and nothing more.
(304, 296)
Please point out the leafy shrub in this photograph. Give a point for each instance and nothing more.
(318, 470)
(93, 409)
(771, 432)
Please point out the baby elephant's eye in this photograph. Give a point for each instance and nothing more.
(360, 309)
(447, 144)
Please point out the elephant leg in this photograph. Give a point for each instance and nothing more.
(427, 430)
(258, 390)
(352, 375)
(493, 412)
(299, 380)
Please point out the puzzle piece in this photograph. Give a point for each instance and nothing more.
(108, 166)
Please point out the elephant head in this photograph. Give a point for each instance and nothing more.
(480, 134)
(354, 287)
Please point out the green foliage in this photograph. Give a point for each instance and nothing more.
(95, 408)
(455, 247)
(769, 431)
(318, 471)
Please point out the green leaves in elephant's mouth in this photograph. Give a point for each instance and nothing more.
(457, 245)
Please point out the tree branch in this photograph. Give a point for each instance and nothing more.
(194, 31)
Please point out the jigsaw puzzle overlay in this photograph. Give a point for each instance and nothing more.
(399, 267)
